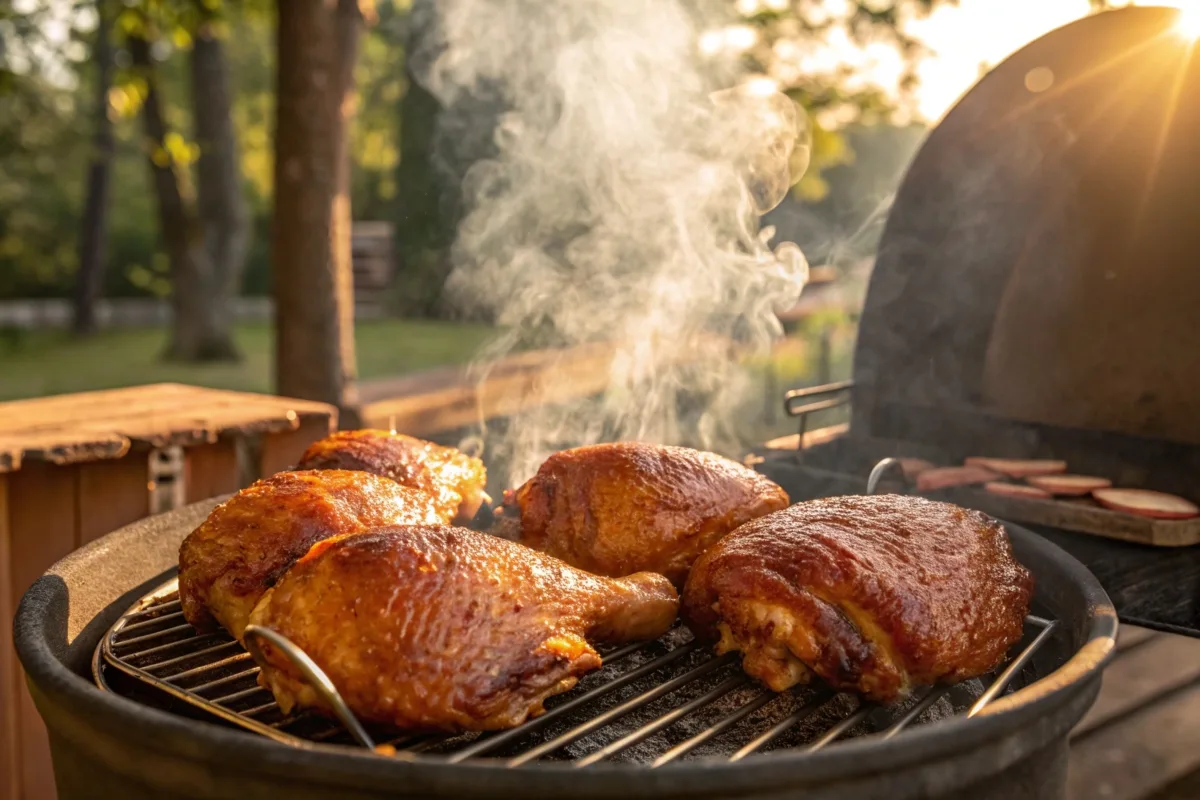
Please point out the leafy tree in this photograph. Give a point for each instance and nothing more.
(314, 292)
(801, 45)
(203, 221)
(94, 228)
(39, 143)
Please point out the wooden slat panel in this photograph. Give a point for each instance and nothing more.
(9, 754)
(1149, 750)
(212, 470)
(1140, 675)
(101, 425)
(44, 520)
(112, 494)
(282, 450)
(43, 516)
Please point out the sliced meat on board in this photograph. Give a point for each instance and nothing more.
(1146, 503)
(1018, 468)
(1016, 490)
(1069, 485)
(931, 480)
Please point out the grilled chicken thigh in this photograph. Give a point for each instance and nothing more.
(248, 541)
(445, 629)
(873, 594)
(453, 478)
(615, 509)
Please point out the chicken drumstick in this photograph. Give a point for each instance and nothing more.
(445, 629)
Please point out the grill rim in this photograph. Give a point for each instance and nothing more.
(78, 713)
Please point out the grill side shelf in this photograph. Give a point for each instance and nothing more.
(676, 695)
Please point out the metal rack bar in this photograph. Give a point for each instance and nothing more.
(783, 726)
(156, 635)
(171, 662)
(840, 729)
(685, 747)
(187, 673)
(486, 745)
(1012, 670)
(225, 700)
(623, 709)
(666, 720)
(121, 650)
(172, 605)
(163, 648)
(137, 626)
(204, 687)
(931, 697)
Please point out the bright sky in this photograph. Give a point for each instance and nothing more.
(985, 32)
(963, 38)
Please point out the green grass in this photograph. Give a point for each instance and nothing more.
(52, 362)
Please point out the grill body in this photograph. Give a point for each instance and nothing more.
(110, 745)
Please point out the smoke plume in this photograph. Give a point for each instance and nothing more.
(619, 210)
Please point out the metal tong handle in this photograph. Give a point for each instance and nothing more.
(880, 469)
(315, 676)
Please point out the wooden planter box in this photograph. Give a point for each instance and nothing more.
(75, 467)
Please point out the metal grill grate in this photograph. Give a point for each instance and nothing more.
(650, 704)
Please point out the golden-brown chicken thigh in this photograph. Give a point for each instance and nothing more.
(248, 541)
(446, 629)
(873, 594)
(615, 509)
(453, 478)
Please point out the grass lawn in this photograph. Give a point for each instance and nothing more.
(52, 362)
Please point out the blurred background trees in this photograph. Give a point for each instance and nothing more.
(84, 86)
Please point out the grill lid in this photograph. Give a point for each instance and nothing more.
(1039, 265)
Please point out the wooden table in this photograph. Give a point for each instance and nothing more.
(1141, 740)
(75, 467)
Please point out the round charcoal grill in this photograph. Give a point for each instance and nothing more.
(137, 704)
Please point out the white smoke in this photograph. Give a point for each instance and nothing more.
(621, 206)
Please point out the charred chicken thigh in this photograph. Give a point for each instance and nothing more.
(615, 509)
(445, 629)
(248, 541)
(873, 594)
(453, 478)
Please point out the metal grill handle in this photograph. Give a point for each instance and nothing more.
(315, 676)
(814, 405)
(881, 469)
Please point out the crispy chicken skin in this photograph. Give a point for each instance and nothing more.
(616, 509)
(445, 629)
(455, 479)
(873, 594)
(248, 541)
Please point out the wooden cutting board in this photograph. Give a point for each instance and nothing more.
(1080, 515)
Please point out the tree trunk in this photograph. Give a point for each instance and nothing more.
(178, 223)
(221, 206)
(93, 240)
(313, 279)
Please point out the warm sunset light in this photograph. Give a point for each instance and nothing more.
(1188, 23)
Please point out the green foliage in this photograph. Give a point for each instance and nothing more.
(52, 362)
(38, 144)
(46, 97)
(796, 44)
